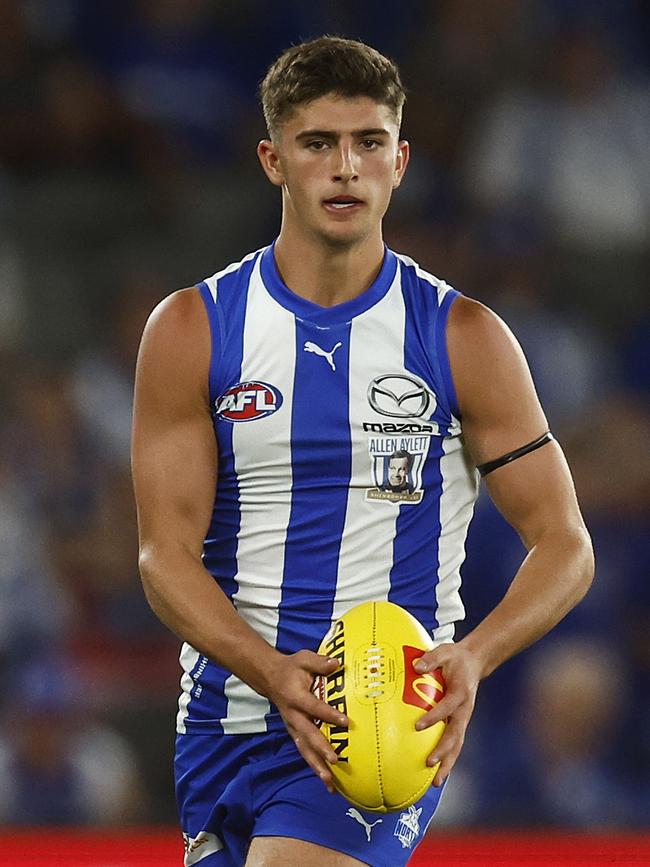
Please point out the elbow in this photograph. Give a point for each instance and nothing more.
(146, 561)
(147, 569)
(159, 562)
(153, 565)
(585, 563)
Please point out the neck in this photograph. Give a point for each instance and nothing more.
(328, 274)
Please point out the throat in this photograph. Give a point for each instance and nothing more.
(328, 277)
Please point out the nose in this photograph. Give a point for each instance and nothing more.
(345, 169)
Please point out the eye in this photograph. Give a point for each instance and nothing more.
(316, 145)
(370, 144)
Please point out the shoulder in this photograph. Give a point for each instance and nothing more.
(180, 310)
(488, 365)
(180, 325)
(176, 342)
(477, 330)
(178, 316)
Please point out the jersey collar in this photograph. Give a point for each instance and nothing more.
(326, 316)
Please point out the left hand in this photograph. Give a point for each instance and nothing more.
(462, 672)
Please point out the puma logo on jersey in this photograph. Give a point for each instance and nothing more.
(317, 350)
(356, 815)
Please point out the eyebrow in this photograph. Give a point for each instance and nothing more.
(334, 136)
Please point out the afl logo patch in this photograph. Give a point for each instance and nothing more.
(248, 401)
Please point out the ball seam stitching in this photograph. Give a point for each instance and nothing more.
(376, 713)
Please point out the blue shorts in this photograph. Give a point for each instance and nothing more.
(230, 788)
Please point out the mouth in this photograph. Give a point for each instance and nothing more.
(342, 203)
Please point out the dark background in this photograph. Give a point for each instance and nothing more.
(127, 170)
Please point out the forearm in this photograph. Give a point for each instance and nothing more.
(188, 600)
(553, 578)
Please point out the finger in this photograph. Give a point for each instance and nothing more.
(448, 749)
(330, 715)
(316, 662)
(445, 769)
(311, 737)
(318, 758)
(321, 710)
(450, 743)
(443, 710)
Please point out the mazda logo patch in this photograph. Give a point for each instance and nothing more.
(400, 396)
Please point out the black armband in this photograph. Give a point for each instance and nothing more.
(486, 468)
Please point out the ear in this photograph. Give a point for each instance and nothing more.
(267, 153)
(401, 162)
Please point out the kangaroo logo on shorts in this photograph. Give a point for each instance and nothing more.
(248, 401)
(407, 828)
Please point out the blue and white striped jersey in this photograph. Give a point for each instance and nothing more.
(342, 472)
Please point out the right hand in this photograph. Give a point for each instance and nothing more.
(291, 692)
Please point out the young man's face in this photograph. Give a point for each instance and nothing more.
(338, 161)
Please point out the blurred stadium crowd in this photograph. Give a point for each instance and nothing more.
(127, 169)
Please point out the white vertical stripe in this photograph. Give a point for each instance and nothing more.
(262, 464)
(188, 659)
(459, 490)
(366, 555)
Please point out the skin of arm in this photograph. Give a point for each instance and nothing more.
(174, 463)
(535, 493)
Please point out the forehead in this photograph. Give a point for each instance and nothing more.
(340, 114)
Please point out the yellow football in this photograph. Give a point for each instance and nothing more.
(381, 757)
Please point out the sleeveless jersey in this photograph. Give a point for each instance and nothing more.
(342, 471)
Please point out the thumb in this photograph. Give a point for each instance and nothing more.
(429, 661)
(423, 665)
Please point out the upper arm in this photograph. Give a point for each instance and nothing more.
(174, 455)
(500, 413)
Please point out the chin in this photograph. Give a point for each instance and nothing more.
(341, 237)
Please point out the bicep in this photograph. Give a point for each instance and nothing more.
(501, 413)
(535, 494)
(173, 450)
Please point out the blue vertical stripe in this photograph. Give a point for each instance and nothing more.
(442, 354)
(217, 335)
(321, 462)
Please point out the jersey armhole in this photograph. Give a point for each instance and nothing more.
(443, 353)
(216, 336)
